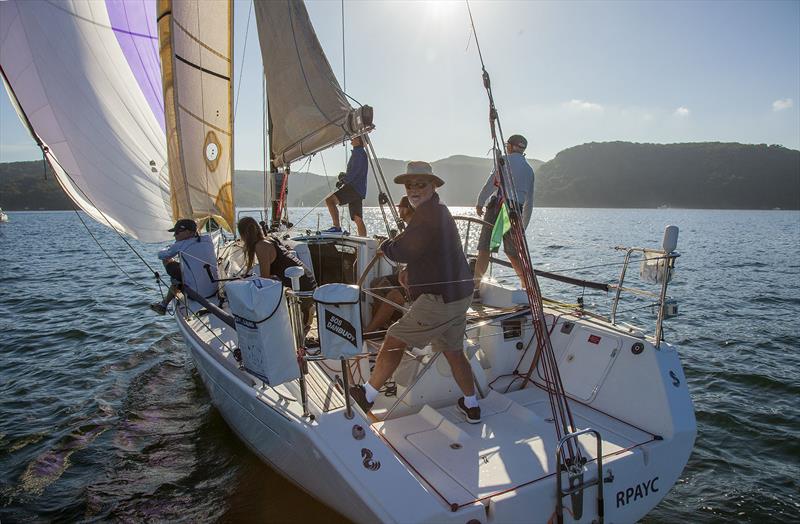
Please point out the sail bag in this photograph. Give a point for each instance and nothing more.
(264, 329)
(339, 320)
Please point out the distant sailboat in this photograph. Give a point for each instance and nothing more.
(135, 157)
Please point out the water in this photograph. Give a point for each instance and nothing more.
(102, 415)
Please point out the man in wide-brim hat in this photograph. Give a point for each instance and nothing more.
(439, 284)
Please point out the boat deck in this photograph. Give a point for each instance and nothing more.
(513, 446)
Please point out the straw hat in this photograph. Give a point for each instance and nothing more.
(418, 169)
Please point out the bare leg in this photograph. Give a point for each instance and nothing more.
(389, 358)
(384, 311)
(480, 267)
(516, 263)
(362, 229)
(332, 201)
(462, 372)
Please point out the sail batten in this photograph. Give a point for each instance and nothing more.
(196, 45)
(308, 111)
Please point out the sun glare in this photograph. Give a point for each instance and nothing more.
(441, 8)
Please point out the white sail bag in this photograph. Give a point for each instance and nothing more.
(339, 320)
(264, 329)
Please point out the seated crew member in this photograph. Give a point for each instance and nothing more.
(195, 252)
(353, 190)
(389, 286)
(272, 257)
(440, 284)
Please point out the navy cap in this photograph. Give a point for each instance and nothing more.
(184, 224)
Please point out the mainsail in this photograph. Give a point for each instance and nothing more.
(84, 77)
(308, 110)
(196, 58)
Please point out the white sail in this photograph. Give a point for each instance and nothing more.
(308, 110)
(196, 51)
(84, 75)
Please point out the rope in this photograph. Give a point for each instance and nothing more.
(107, 254)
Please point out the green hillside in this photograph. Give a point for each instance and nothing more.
(709, 175)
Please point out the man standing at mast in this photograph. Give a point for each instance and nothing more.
(352, 190)
(520, 203)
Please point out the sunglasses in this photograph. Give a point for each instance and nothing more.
(416, 185)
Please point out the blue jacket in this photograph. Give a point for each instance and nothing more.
(356, 174)
(431, 248)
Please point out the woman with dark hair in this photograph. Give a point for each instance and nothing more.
(272, 257)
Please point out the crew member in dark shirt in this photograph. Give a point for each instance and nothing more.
(439, 283)
(353, 190)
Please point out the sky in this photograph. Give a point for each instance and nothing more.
(563, 74)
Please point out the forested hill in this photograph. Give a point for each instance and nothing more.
(611, 174)
(709, 175)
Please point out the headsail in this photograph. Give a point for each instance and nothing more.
(85, 76)
(196, 58)
(308, 110)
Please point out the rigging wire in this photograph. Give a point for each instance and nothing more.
(107, 254)
(344, 68)
(564, 423)
(241, 64)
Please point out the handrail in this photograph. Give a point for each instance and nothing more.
(576, 489)
(662, 295)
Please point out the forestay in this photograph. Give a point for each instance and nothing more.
(86, 76)
(196, 50)
(308, 110)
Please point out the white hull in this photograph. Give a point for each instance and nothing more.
(503, 469)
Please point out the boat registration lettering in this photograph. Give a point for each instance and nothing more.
(640, 491)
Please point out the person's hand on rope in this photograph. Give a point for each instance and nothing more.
(479, 210)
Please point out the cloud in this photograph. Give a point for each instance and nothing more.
(583, 105)
(682, 112)
(782, 104)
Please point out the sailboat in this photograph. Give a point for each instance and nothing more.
(135, 119)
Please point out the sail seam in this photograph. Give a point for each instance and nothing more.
(204, 46)
(115, 29)
(203, 69)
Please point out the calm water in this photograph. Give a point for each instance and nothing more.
(102, 415)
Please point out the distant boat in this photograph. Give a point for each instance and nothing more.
(3, 216)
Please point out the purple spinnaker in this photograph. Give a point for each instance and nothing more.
(134, 24)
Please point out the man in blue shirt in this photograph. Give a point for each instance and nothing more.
(353, 190)
(521, 203)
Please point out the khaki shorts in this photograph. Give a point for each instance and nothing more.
(432, 321)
